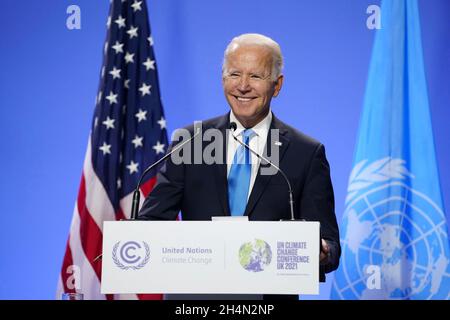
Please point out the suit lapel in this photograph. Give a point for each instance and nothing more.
(262, 180)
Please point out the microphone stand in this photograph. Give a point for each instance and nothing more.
(137, 192)
(233, 127)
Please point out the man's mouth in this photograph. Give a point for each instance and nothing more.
(244, 99)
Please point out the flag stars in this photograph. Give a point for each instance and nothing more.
(105, 148)
(126, 84)
(133, 167)
(159, 147)
(145, 89)
(119, 183)
(132, 32)
(129, 57)
(109, 123)
(108, 22)
(136, 6)
(137, 141)
(115, 73)
(162, 123)
(112, 98)
(120, 21)
(118, 47)
(149, 64)
(150, 40)
(141, 115)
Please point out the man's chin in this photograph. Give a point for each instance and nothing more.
(246, 120)
(244, 116)
(246, 110)
(248, 117)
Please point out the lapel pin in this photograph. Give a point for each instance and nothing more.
(277, 143)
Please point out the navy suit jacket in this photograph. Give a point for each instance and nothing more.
(200, 191)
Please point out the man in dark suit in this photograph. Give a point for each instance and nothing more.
(251, 78)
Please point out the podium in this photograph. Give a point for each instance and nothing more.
(211, 257)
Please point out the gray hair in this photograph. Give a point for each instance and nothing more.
(256, 39)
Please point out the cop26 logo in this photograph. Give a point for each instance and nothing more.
(131, 255)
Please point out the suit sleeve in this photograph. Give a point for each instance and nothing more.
(164, 201)
(317, 204)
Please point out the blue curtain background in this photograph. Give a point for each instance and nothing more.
(48, 84)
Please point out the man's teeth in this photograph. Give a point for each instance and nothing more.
(244, 99)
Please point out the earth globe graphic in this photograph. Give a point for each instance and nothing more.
(400, 231)
(255, 256)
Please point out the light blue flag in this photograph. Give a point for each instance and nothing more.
(394, 231)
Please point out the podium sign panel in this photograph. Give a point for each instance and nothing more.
(210, 257)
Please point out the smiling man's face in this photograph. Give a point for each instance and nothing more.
(248, 84)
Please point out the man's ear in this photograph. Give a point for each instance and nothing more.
(278, 85)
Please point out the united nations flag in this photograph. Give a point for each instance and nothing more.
(394, 231)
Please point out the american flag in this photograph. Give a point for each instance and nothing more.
(128, 133)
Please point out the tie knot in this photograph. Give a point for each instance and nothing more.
(247, 134)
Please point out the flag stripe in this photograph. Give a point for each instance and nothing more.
(90, 233)
(68, 261)
(97, 200)
(147, 187)
(90, 283)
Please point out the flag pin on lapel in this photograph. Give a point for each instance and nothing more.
(278, 143)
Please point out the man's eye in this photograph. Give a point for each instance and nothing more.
(255, 76)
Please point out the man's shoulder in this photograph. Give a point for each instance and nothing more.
(296, 136)
(218, 122)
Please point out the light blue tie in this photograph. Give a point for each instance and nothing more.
(239, 176)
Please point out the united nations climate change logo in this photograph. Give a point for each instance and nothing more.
(399, 230)
(255, 256)
(131, 255)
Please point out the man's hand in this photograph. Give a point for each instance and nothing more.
(324, 252)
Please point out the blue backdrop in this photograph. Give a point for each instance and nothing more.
(48, 84)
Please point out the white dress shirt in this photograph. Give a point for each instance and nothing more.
(257, 143)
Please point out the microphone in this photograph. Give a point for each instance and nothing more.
(137, 193)
(233, 127)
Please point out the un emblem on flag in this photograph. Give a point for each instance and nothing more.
(131, 255)
(400, 230)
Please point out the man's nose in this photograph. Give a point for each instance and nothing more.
(244, 84)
